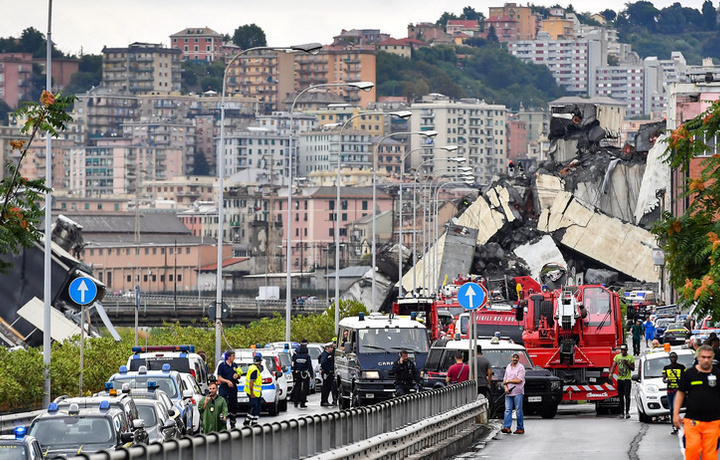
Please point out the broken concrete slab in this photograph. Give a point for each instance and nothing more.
(537, 254)
(654, 183)
(608, 240)
(617, 195)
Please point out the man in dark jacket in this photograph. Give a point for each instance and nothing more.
(327, 368)
(302, 371)
(406, 376)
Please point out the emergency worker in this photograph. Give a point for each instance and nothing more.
(229, 377)
(671, 375)
(253, 388)
(625, 364)
(302, 370)
(406, 374)
(327, 369)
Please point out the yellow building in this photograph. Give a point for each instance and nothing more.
(526, 20)
(558, 28)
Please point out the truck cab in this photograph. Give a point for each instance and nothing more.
(366, 350)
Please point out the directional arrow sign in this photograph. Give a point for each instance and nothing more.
(82, 291)
(472, 296)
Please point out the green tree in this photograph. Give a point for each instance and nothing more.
(492, 35)
(442, 22)
(643, 14)
(20, 210)
(672, 19)
(249, 36)
(609, 15)
(470, 14)
(709, 16)
(5, 109)
(691, 241)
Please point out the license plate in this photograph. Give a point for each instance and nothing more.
(369, 396)
(534, 398)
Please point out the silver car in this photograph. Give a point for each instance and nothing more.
(159, 422)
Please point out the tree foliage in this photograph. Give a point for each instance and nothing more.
(199, 77)
(20, 210)
(691, 241)
(249, 36)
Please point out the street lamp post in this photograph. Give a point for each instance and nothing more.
(402, 114)
(447, 148)
(308, 48)
(362, 85)
(427, 134)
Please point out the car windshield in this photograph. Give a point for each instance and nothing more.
(652, 368)
(155, 363)
(663, 322)
(285, 359)
(147, 413)
(392, 340)
(64, 431)
(166, 384)
(674, 326)
(501, 357)
(314, 352)
(12, 451)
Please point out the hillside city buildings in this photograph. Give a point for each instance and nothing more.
(137, 166)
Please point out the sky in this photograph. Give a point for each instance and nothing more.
(88, 25)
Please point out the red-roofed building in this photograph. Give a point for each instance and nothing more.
(505, 27)
(455, 26)
(198, 44)
(395, 46)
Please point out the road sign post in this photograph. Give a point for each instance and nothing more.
(82, 291)
(472, 296)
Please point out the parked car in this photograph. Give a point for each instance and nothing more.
(676, 334)
(181, 358)
(660, 325)
(649, 391)
(270, 395)
(159, 423)
(20, 446)
(72, 431)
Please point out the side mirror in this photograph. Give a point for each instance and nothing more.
(172, 412)
(347, 347)
(127, 437)
(169, 424)
(520, 311)
(635, 377)
(187, 394)
(278, 374)
(138, 423)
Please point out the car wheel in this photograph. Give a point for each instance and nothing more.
(642, 417)
(283, 405)
(273, 408)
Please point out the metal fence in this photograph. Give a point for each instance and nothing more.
(305, 436)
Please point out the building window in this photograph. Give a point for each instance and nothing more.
(364, 205)
(179, 278)
(145, 278)
(129, 279)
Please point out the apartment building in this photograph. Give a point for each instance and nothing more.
(513, 22)
(168, 138)
(397, 47)
(467, 27)
(573, 63)
(636, 85)
(198, 44)
(141, 68)
(15, 77)
(182, 191)
(477, 128)
(427, 32)
(359, 37)
(517, 138)
(100, 113)
(558, 28)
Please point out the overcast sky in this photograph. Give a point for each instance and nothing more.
(88, 25)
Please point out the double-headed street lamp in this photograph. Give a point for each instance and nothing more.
(427, 134)
(311, 48)
(361, 85)
(403, 115)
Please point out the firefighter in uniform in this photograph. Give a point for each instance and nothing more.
(253, 387)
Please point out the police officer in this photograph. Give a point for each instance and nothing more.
(406, 375)
(327, 368)
(253, 388)
(229, 377)
(302, 370)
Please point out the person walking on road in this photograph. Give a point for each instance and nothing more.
(700, 392)
(625, 364)
(671, 376)
(213, 410)
(458, 372)
(253, 388)
(302, 370)
(514, 385)
(229, 377)
(637, 333)
(484, 373)
(649, 332)
(327, 369)
(406, 374)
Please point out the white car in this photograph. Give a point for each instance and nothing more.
(270, 388)
(649, 391)
(192, 384)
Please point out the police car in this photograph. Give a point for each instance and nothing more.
(159, 423)
(71, 431)
(20, 446)
(169, 381)
(181, 358)
(649, 391)
(270, 389)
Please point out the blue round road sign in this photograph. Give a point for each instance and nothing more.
(472, 296)
(82, 291)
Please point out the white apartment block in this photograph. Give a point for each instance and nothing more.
(318, 150)
(572, 62)
(475, 127)
(634, 84)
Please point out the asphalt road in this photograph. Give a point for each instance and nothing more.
(577, 433)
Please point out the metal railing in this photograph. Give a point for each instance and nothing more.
(306, 436)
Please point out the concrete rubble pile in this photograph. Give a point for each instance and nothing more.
(589, 207)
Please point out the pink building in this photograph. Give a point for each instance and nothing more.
(15, 74)
(314, 216)
(198, 44)
(517, 139)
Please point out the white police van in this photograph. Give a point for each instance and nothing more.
(181, 358)
(366, 350)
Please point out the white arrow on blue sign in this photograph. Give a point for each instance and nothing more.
(82, 291)
(472, 296)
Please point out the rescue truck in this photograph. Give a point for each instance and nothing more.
(573, 331)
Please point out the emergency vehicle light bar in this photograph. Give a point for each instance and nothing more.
(145, 349)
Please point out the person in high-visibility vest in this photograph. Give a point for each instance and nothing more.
(253, 387)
